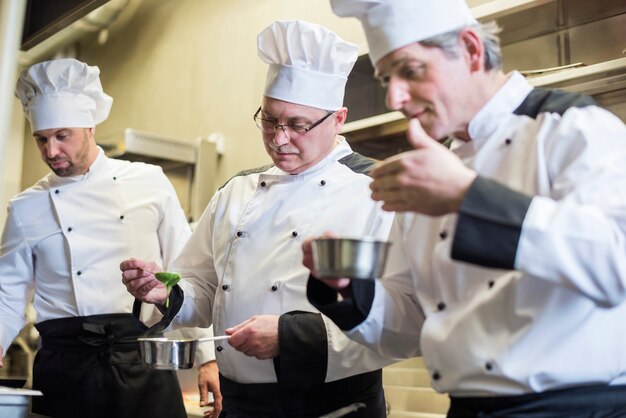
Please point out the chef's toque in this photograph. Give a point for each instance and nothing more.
(308, 64)
(62, 93)
(393, 24)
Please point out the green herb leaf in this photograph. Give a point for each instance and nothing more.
(169, 280)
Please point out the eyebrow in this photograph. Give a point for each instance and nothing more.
(394, 64)
(296, 118)
(53, 133)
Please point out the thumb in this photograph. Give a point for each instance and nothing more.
(417, 136)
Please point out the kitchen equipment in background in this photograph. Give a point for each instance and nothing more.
(12, 381)
(346, 257)
(574, 45)
(171, 354)
(189, 164)
(14, 403)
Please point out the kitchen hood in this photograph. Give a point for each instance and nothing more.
(196, 159)
(140, 145)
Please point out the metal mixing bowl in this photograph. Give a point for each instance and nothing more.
(168, 354)
(171, 354)
(347, 257)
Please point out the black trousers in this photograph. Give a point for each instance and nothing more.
(91, 367)
(580, 402)
(272, 400)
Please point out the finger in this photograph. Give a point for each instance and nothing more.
(238, 337)
(387, 167)
(146, 288)
(232, 330)
(131, 263)
(203, 391)
(388, 183)
(417, 136)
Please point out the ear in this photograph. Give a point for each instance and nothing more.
(340, 118)
(473, 49)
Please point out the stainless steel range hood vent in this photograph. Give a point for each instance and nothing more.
(190, 164)
(156, 146)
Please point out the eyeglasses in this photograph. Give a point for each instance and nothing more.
(270, 127)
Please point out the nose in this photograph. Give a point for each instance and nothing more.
(397, 94)
(52, 148)
(280, 136)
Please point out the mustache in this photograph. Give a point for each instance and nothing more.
(283, 149)
(56, 160)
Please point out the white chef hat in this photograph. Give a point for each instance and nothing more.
(62, 93)
(392, 24)
(308, 64)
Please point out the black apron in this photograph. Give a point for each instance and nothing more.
(363, 392)
(599, 401)
(91, 367)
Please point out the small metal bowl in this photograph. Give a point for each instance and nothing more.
(363, 258)
(171, 354)
(167, 354)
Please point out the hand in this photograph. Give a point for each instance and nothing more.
(256, 337)
(138, 277)
(430, 180)
(307, 260)
(209, 381)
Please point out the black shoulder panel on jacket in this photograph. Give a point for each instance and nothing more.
(248, 172)
(358, 163)
(551, 101)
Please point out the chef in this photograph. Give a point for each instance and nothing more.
(508, 266)
(242, 267)
(64, 238)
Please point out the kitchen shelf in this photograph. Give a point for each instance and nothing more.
(496, 9)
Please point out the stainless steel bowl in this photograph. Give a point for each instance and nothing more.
(171, 354)
(168, 354)
(346, 257)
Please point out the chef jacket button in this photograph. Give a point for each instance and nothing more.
(239, 233)
(488, 366)
(70, 229)
(491, 283)
(57, 191)
(294, 234)
(508, 141)
(441, 306)
(443, 234)
(121, 216)
(263, 184)
(274, 288)
(114, 178)
(225, 287)
(436, 376)
(79, 272)
(323, 182)
(219, 348)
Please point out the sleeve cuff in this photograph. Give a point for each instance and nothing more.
(347, 313)
(303, 346)
(490, 224)
(176, 298)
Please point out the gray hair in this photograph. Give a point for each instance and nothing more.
(488, 34)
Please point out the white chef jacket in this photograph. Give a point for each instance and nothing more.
(66, 236)
(244, 258)
(552, 317)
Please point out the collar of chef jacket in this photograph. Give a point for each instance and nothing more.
(500, 106)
